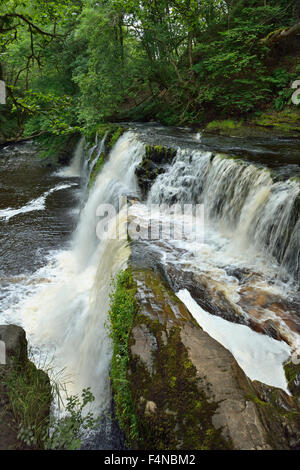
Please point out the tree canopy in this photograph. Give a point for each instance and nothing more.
(72, 64)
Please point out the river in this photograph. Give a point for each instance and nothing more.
(241, 282)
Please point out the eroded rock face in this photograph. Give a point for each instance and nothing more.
(17, 365)
(188, 391)
(154, 163)
(15, 342)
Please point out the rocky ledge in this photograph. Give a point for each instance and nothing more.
(177, 388)
(25, 392)
(154, 163)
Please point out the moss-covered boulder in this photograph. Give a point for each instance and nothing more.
(292, 373)
(270, 124)
(175, 387)
(111, 132)
(57, 149)
(15, 344)
(280, 414)
(154, 163)
(25, 394)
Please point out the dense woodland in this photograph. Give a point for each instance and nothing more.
(70, 65)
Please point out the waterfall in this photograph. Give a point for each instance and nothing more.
(116, 179)
(252, 223)
(242, 200)
(66, 319)
(100, 149)
(74, 170)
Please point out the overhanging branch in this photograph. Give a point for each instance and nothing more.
(281, 35)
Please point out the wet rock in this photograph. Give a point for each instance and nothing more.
(14, 338)
(202, 290)
(292, 372)
(281, 415)
(66, 151)
(187, 390)
(32, 381)
(143, 345)
(154, 163)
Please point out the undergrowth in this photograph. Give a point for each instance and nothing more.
(31, 395)
(122, 311)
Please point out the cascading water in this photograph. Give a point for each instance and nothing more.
(66, 318)
(241, 199)
(74, 170)
(251, 243)
(100, 148)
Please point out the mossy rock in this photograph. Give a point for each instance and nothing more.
(176, 388)
(25, 394)
(165, 402)
(292, 373)
(286, 122)
(270, 124)
(112, 131)
(160, 154)
(96, 170)
(154, 163)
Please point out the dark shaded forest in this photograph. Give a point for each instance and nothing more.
(72, 65)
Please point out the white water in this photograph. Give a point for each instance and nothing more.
(74, 169)
(38, 204)
(242, 202)
(65, 317)
(100, 148)
(260, 356)
(250, 227)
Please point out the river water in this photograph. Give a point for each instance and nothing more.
(241, 282)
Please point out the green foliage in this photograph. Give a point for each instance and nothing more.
(292, 373)
(71, 65)
(96, 170)
(121, 315)
(26, 387)
(66, 432)
(31, 394)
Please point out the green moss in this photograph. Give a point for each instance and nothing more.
(121, 315)
(114, 137)
(112, 133)
(168, 407)
(96, 170)
(111, 130)
(292, 373)
(159, 154)
(223, 125)
(30, 395)
(183, 416)
(286, 121)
